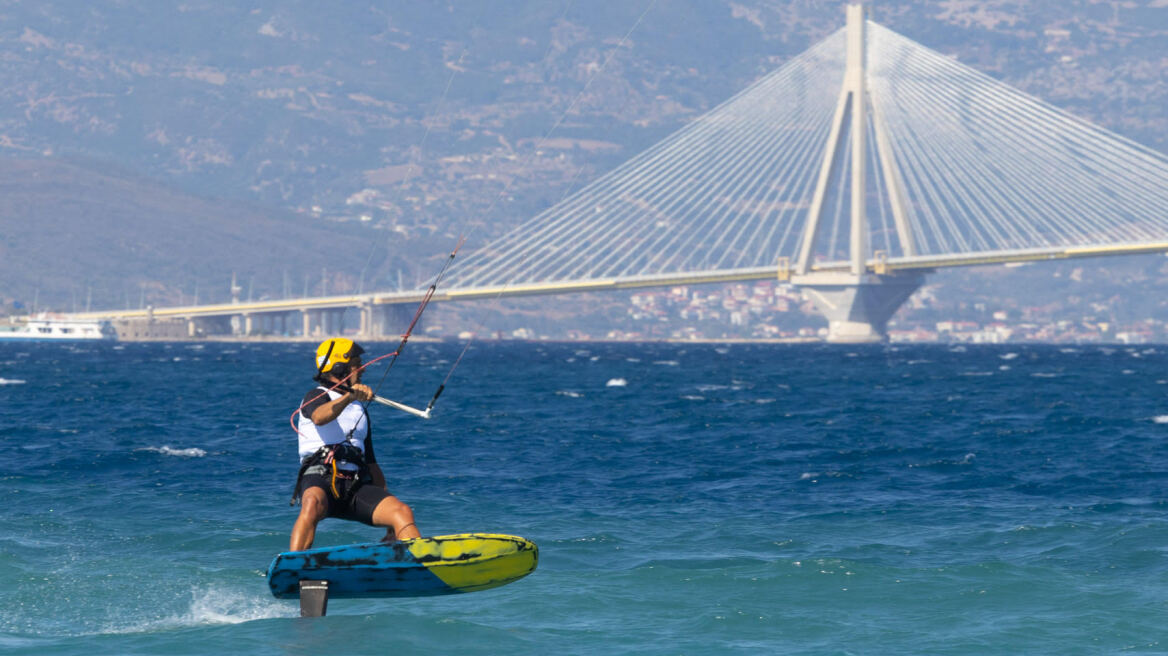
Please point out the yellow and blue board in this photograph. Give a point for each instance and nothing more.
(446, 564)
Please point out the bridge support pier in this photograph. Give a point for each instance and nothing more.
(394, 318)
(858, 306)
(366, 329)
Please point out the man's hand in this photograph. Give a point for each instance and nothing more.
(361, 392)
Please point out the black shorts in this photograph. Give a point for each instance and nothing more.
(360, 503)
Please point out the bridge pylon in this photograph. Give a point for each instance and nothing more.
(857, 303)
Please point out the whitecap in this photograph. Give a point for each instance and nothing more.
(1008, 356)
(192, 452)
(1127, 372)
(693, 397)
(616, 382)
(11, 381)
(1160, 419)
(569, 394)
(1044, 375)
(1004, 367)
(977, 373)
(667, 363)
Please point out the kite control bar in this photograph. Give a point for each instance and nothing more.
(424, 414)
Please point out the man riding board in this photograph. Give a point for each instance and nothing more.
(339, 474)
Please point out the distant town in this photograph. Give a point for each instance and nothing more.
(773, 311)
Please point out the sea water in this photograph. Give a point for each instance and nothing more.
(686, 498)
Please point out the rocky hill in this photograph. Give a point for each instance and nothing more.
(153, 147)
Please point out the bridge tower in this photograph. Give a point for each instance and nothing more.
(858, 302)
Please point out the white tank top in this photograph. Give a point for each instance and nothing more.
(350, 425)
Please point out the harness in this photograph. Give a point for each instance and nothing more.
(324, 462)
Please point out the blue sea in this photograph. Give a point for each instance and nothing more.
(686, 498)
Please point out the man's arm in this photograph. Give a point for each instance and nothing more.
(327, 412)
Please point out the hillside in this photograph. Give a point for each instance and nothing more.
(69, 233)
(424, 120)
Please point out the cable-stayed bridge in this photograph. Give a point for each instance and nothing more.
(852, 171)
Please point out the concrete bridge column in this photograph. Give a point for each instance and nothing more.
(367, 321)
(248, 324)
(381, 325)
(858, 307)
(332, 321)
(395, 318)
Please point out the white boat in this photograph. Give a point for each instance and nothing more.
(46, 327)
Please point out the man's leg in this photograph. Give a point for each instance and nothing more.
(392, 513)
(313, 508)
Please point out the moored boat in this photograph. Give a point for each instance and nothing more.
(46, 327)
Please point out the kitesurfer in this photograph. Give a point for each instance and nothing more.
(339, 474)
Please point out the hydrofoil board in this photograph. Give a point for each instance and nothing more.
(446, 564)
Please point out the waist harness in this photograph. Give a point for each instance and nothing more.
(324, 462)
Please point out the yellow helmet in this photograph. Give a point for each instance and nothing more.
(334, 356)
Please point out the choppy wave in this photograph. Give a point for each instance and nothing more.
(192, 452)
(11, 381)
